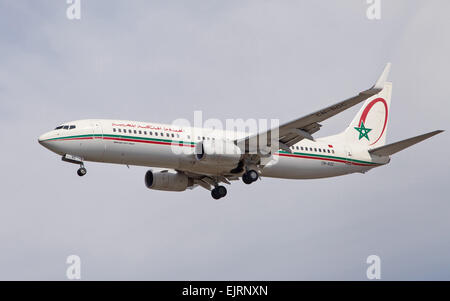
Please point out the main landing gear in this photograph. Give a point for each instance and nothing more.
(250, 176)
(75, 160)
(218, 192)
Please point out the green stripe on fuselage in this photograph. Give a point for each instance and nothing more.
(123, 137)
(69, 137)
(326, 157)
(193, 143)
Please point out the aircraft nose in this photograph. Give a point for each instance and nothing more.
(43, 138)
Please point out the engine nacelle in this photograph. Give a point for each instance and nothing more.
(218, 152)
(167, 181)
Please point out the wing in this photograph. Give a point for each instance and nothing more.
(302, 128)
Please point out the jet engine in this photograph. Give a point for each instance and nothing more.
(167, 181)
(218, 153)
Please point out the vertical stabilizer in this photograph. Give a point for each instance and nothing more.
(369, 127)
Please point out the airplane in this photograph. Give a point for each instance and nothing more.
(195, 157)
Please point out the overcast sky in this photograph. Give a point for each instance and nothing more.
(162, 60)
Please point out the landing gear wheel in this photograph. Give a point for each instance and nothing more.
(81, 171)
(250, 176)
(246, 179)
(253, 175)
(222, 191)
(218, 192)
(215, 194)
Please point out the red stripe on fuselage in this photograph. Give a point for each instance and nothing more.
(147, 141)
(191, 145)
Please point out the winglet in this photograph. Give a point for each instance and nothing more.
(379, 85)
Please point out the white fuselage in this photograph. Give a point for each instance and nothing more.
(167, 146)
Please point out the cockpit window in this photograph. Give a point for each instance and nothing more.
(66, 127)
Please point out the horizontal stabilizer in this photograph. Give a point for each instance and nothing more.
(393, 148)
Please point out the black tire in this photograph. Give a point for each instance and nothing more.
(82, 171)
(252, 175)
(222, 191)
(215, 194)
(246, 179)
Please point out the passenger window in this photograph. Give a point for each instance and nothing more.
(310, 149)
(129, 131)
(332, 151)
(151, 133)
(173, 136)
(114, 130)
(189, 136)
(198, 138)
(203, 138)
(320, 150)
(328, 151)
(120, 131)
(156, 133)
(135, 132)
(178, 136)
(140, 132)
(301, 147)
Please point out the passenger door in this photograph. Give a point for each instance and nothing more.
(97, 148)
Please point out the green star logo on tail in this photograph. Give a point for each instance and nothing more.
(363, 131)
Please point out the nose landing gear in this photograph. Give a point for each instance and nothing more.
(82, 171)
(75, 160)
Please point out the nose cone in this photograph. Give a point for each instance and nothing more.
(43, 139)
(50, 142)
